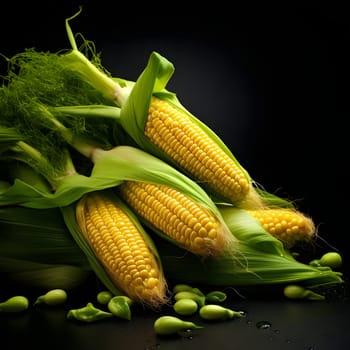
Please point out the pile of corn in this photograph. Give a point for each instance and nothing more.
(146, 194)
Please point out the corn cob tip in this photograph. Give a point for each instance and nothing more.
(286, 224)
(121, 249)
(252, 200)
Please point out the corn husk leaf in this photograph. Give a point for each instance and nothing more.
(37, 250)
(69, 190)
(37, 235)
(262, 261)
(45, 276)
(69, 215)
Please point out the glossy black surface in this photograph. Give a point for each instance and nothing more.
(273, 84)
(268, 323)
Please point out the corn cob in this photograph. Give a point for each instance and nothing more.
(178, 217)
(195, 152)
(121, 248)
(288, 225)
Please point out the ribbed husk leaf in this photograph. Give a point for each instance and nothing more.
(69, 215)
(38, 235)
(262, 261)
(37, 250)
(46, 276)
(70, 189)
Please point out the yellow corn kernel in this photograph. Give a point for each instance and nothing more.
(177, 216)
(121, 249)
(189, 146)
(288, 225)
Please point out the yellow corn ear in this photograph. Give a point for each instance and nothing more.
(288, 225)
(178, 217)
(175, 133)
(121, 249)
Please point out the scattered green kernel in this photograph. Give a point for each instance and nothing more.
(52, 297)
(199, 299)
(16, 303)
(104, 297)
(166, 325)
(217, 312)
(187, 288)
(298, 292)
(185, 307)
(331, 259)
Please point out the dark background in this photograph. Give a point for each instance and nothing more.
(271, 81)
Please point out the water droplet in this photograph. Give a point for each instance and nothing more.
(243, 313)
(249, 322)
(310, 348)
(288, 341)
(153, 347)
(263, 325)
(277, 331)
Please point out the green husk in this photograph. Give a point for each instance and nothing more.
(44, 276)
(70, 189)
(22, 171)
(14, 147)
(262, 261)
(36, 249)
(37, 235)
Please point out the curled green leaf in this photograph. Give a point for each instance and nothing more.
(119, 306)
(88, 313)
(215, 297)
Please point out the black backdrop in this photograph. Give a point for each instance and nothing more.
(272, 82)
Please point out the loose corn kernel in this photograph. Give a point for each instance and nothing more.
(288, 225)
(190, 147)
(177, 216)
(121, 249)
